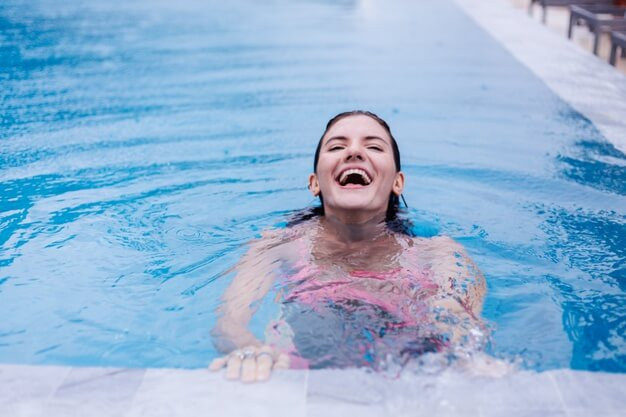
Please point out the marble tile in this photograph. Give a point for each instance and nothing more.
(33, 391)
(99, 408)
(595, 413)
(170, 392)
(99, 386)
(357, 391)
(26, 382)
(445, 394)
(521, 392)
(22, 408)
(355, 386)
(327, 407)
(506, 412)
(333, 392)
(53, 408)
(584, 391)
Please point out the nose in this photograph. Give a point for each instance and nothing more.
(354, 153)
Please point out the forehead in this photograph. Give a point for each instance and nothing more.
(357, 126)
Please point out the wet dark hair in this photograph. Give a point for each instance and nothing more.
(394, 218)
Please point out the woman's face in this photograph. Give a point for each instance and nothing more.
(356, 172)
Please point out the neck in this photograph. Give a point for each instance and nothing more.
(352, 229)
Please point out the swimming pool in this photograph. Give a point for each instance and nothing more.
(142, 144)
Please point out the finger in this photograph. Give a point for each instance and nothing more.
(248, 370)
(264, 367)
(282, 362)
(233, 367)
(218, 363)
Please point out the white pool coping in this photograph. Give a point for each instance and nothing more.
(587, 83)
(55, 391)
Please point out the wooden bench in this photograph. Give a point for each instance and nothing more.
(600, 18)
(561, 3)
(618, 40)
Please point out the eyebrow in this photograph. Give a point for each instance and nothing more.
(342, 138)
(375, 138)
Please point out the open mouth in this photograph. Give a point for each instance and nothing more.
(354, 177)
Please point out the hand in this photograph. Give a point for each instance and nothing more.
(251, 363)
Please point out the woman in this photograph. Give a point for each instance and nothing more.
(355, 289)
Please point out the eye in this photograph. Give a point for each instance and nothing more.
(335, 148)
(375, 148)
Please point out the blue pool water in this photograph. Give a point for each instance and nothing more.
(143, 143)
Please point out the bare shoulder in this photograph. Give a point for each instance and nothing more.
(447, 258)
(438, 245)
(276, 236)
(456, 272)
(278, 243)
(263, 253)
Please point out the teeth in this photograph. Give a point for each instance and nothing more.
(360, 172)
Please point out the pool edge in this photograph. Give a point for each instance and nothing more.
(31, 390)
(588, 84)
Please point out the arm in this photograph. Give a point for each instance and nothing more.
(462, 285)
(253, 279)
(249, 359)
(461, 289)
(462, 292)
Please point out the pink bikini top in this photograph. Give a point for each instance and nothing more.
(398, 291)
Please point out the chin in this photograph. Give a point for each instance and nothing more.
(356, 205)
(357, 201)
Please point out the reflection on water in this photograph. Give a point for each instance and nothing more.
(593, 242)
(596, 164)
(142, 144)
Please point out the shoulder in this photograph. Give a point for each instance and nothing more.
(281, 243)
(438, 244)
(281, 234)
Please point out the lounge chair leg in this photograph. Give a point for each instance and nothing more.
(596, 40)
(530, 7)
(543, 15)
(570, 27)
(613, 57)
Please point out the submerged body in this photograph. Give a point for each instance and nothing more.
(363, 302)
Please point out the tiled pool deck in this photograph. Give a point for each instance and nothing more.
(51, 391)
(592, 87)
